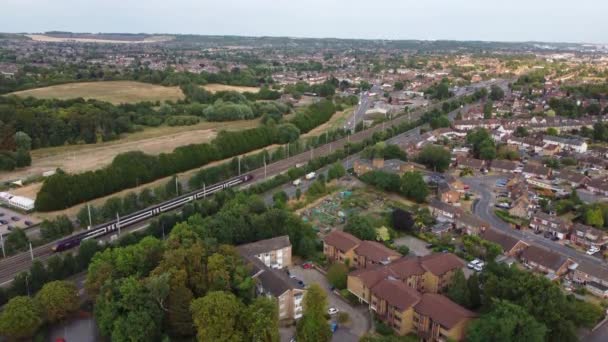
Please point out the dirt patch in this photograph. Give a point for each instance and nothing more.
(336, 121)
(223, 87)
(111, 91)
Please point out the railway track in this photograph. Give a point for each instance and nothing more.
(12, 266)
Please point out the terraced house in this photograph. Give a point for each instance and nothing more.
(342, 247)
(405, 295)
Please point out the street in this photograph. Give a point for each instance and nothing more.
(484, 208)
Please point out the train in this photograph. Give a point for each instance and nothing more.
(144, 214)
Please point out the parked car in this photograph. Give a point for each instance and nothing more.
(473, 263)
(28, 223)
(15, 218)
(479, 266)
(301, 283)
(3, 221)
(307, 265)
(332, 311)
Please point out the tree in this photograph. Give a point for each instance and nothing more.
(313, 326)
(496, 93)
(440, 121)
(594, 217)
(336, 171)
(20, 318)
(458, 291)
(506, 322)
(414, 187)
(474, 291)
(402, 220)
(435, 158)
(58, 299)
(216, 317)
(552, 131)
(261, 320)
(23, 141)
(521, 132)
(280, 197)
(487, 110)
(361, 227)
(337, 274)
(399, 85)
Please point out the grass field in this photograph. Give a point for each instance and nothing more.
(111, 91)
(80, 158)
(338, 120)
(222, 87)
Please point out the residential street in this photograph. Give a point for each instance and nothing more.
(484, 208)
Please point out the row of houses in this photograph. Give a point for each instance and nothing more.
(461, 220)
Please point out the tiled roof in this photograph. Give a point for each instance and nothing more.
(265, 246)
(505, 241)
(396, 293)
(442, 310)
(441, 263)
(375, 251)
(544, 257)
(341, 240)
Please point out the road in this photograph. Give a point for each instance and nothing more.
(11, 266)
(484, 209)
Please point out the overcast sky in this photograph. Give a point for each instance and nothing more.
(502, 20)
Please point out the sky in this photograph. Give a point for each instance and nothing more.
(490, 20)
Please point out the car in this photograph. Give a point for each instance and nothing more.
(28, 223)
(479, 266)
(547, 235)
(473, 263)
(15, 218)
(537, 232)
(301, 283)
(10, 228)
(293, 339)
(3, 221)
(1, 214)
(554, 238)
(332, 311)
(307, 265)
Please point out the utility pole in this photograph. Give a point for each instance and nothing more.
(162, 225)
(118, 223)
(239, 160)
(264, 166)
(2, 242)
(176, 186)
(90, 220)
(27, 285)
(311, 152)
(287, 150)
(31, 252)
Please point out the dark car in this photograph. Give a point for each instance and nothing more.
(1, 214)
(3, 221)
(15, 218)
(28, 223)
(548, 235)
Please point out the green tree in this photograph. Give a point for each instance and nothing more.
(435, 158)
(496, 93)
(414, 187)
(23, 141)
(216, 317)
(506, 322)
(313, 326)
(440, 121)
(474, 291)
(361, 227)
(458, 291)
(399, 85)
(58, 299)
(336, 171)
(337, 275)
(487, 110)
(521, 132)
(261, 320)
(552, 131)
(594, 217)
(20, 318)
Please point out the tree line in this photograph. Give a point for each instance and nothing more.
(131, 169)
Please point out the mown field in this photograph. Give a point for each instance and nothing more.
(222, 87)
(115, 92)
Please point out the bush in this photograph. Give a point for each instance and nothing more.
(182, 120)
(337, 275)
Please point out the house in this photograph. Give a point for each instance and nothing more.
(506, 166)
(552, 224)
(339, 246)
(587, 236)
(545, 261)
(444, 211)
(575, 179)
(536, 170)
(521, 207)
(455, 183)
(472, 163)
(446, 194)
(511, 247)
(370, 253)
(551, 150)
(274, 253)
(568, 144)
(437, 318)
(470, 224)
(266, 258)
(593, 276)
(599, 186)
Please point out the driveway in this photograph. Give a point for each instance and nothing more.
(417, 247)
(359, 316)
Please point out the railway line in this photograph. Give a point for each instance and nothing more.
(12, 266)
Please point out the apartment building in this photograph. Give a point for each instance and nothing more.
(267, 258)
(339, 246)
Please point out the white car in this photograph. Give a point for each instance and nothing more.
(592, 250)
(473, 263)
(332, 311)
(479, 267)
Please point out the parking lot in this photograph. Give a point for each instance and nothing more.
(359, 316)
(10, 219)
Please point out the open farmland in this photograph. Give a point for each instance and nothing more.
(223, 87)
(80, 158)
(115, 92)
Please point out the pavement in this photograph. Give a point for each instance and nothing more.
(417, 247)
(360, 321)
(484, 209)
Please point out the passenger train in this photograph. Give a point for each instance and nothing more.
(144, 214)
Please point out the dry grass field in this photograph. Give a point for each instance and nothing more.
(51, 39)
(222, 87)
(337, 120)
(80, 158)
(111, 91)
